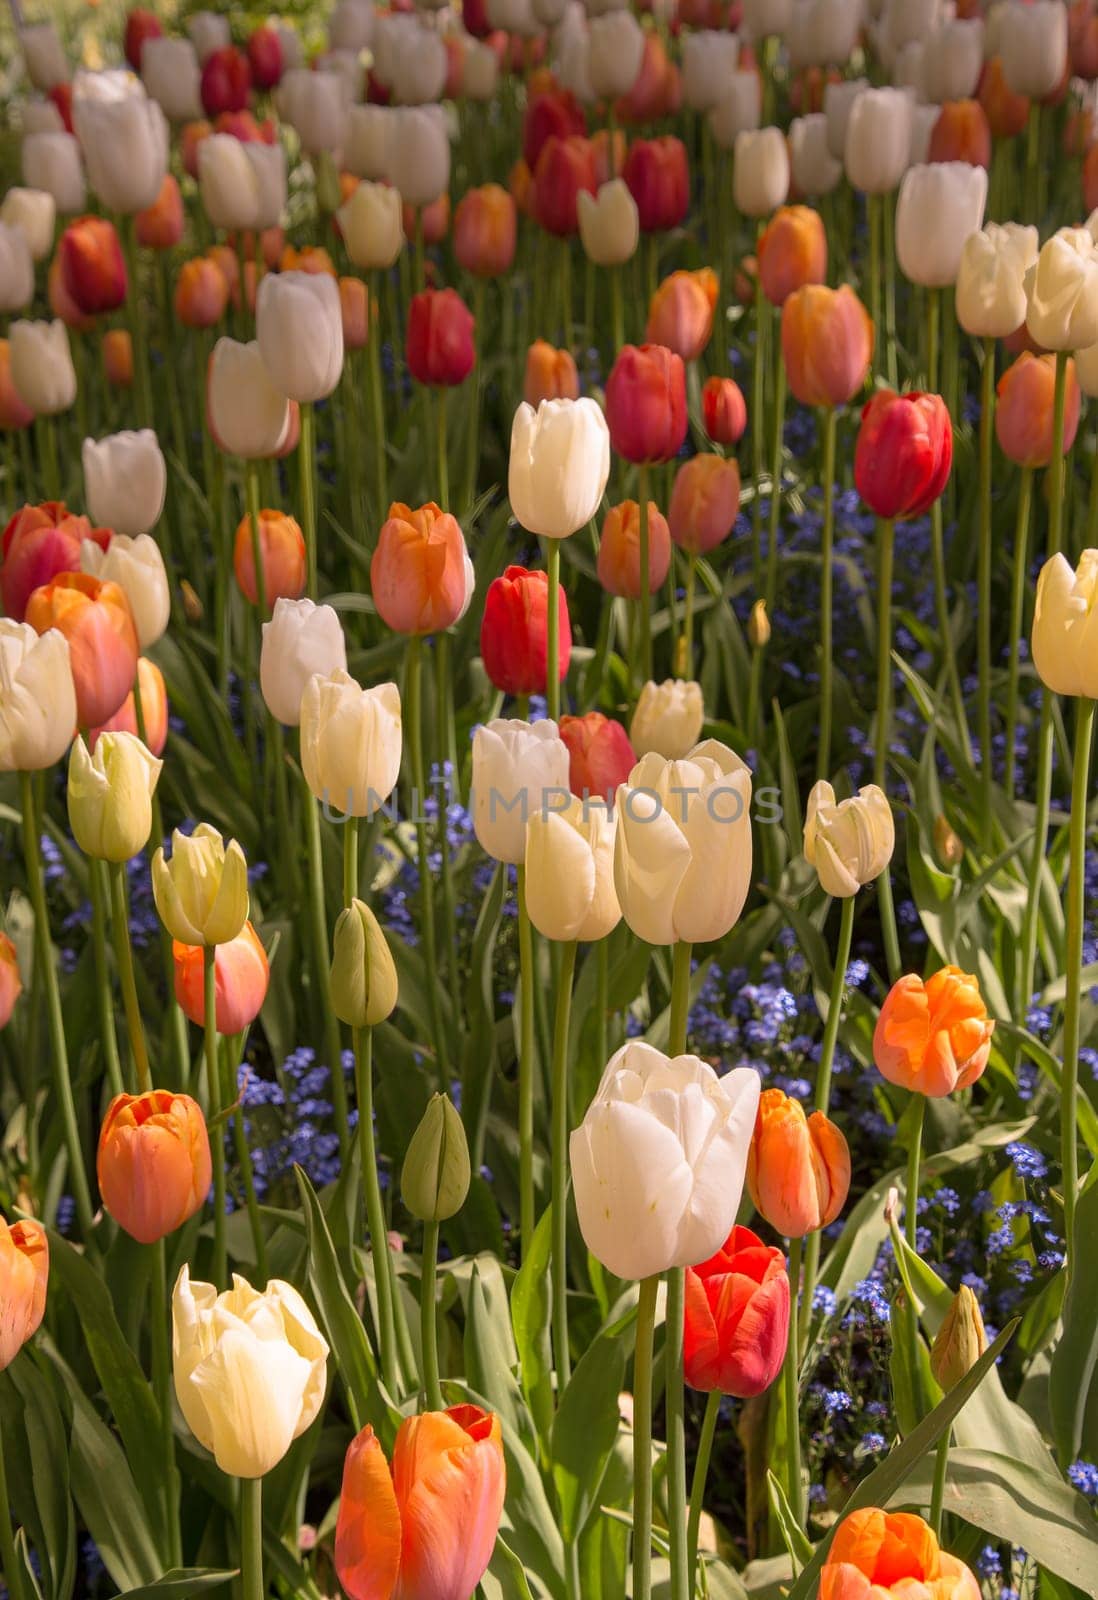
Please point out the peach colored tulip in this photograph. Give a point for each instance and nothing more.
(550, 374)
(935, 1036)
(484, 231)
(154, 711)
(434, 220)
(241, 974)
(160, 227)
(24, 1270)
(1023, 416)
(191, 136)
(354, 305)
(681, 313)
(96, 619)
(310, 258)
(153, 1163)
(14, 411)
(619, 550)
(420, 570)
(705, 501)
(201, 293)
(1007, 113)
(827, 344)
(798, 1168)
(282, 546)
(880, 1554)
(117, 349)
(11, 984)
(792, 252)
(961, 133)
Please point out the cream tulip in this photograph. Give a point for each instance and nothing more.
(110, 794)
(813, 169)
(317, 107)
(838, 102)
(938, 207)
(953, 58)
(52, 162)
(659, 1160)
(372, 226)
(34, 213)
(1064, 642)
(250, 1370)
(1033, 42)
(418, 155)
(682, 862)
(125, 481)
(367, 153)
(903, 21)
(299, 327)
(16, 269)
(739, 110)
(351, 25)
(1086, 370)
(479, 71)
(878, 139)
(417, 66)
(201, 892)
(137, 567)
(709, 59)
(248, 416)
(124, 142)
(559, 466)
(1062, 292)
(44, 54)
(41, 366)
(37, 697)
(668, 719)
(208, 31)
(172, 75)
(760, 174)
(615, 52)
(227, 182)
(570, 890)
(300, 641)
(849, 842)
(350, 742)
(39, 115)
(609, 223)
(764, 18)
(519, 769)
(991, 295)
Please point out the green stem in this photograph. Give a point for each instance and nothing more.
(321, 955)
(104, 997)
(11, 1562)
(375, 1211)
(758, 431)
(124, 954)
(414, 725)
(350, 860)
(552, 650)
(937, 1493)
(697, 1487)
(446, 740)
(46, 433)
(1056, 463)
(645, 596)
(217, 1132)
(827, 589)
(472, 461)
(428, 1318)
(561, 1022)
(251, 492)
(1017, 609)
(642, 1440)
(676, 1433)
(914, 1163)
(231, 1049)
(1073, 966)
(887, 225)
(306, 455)
(885, 546)
(775, 479)
(525, 1067)
(983, 585)
(680, 998)
(945, 627)
(377, 401)
(873, 219)
(617, 313)
(162, 1387)
(252, 1583)
(790, 1389)
(137, 325)
(688, 615)
(443, 453)
(59, 1056)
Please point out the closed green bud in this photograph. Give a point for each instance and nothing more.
(435, 1177)
(364, 979)
(960, 1341)
(329, 196)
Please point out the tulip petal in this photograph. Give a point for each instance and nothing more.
(367, 1541)
(632, 1185)
(249, 1392)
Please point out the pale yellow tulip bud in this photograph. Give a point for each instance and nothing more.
(434, 1179)
(202, 892)
(110, 795)
(364, 978)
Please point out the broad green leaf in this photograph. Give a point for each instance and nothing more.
(530, 1319)
(490, 1354)
(45, 1495)
(509, 1572)
(585, 1429)
(180, 1582)
(341, 1321)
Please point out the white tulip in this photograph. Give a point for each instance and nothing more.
(739, 109)
(938, 207)
(137, 566)
(299, 326)
(550, 12)
(513, 16)
(417, 66)
(923, 122)
(367, 154)
(34, 213)
(570, 890)
(44, 55)
(609, 223)
(172, 75)
(764, 18)
(289, 41)
(317, 107)
(1033, 42)
(418, 157)
(300, 641)
(209, 31)
(905, 20)
(953, 58)
(351, 26)
(37, 697)
(125, 480)
(616, 51)
(559, 466)
(760, 173)
(908, 70)
(39, 115)
(124, 141)
(814, 170)
(479, 71)
(52, 162)
(372, 226)
(838, 103)
(878, 139)
(16, 269)
(849, 842)
(347, 67)
(519, 769)
(350, 742)
(991, 294)
(248, 415)
(668, 719)
(41, 366)
(709, 59)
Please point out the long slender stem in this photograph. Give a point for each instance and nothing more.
(790, 1389)
(561, 1023)
(827, 589)
(1017, 608)
(162, 1386)
(251, 492)
(680, 998)
(642, 1440)
(350, 860)
(104, 996)
(428, 1318)
(45, 429)
(252, 1583)
(777, 437)
(937, 1493)
(887, 225)
(443, 450)
(377, 400)
(914, 1165)
(697, 1486)
(59, 1055)
(676, 1433)
(873, 219)
(213, 1090)
(414, 724)
(322, 958)
(758, 431)
(306, 455)
(885, 544)
(137, 325)
(552, 647)
(983, 584)
(525, 1066)
(645, 597)
(11, 1562)
(1073, 966)
(375, 1211)
(127, 979)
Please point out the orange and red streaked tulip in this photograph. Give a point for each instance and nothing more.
(420, 571)
(354, 306)
(1007, 113)
(117, 347)
(933, 1036)
(878, 1554)
(426, 1529)
(553, 114)
(140, 25)
(153, 1164)
(241, 975)
(514, 636)
(724, 410)
(226, 79)
(792, 252)
(565, 167)
(201, 293)
(11, 984)
(485, 224)
(282, 547)
(24, 1271)
(736, 1322)
(619, 550)
(961, 133)
(904, 453)
(705, 502)
(658, 178)
(440, 346)
(550, 374)
(265, 57)
(681, 313)
(160, 227)
(1023, 416)
(798, 1168)
(646, 403)
(38, 543)
(827, 344)
(93, 269)
(154, 711)
(600, 754)
(96, 619)
(14, 411)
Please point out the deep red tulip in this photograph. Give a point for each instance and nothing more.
(265, 57)
(904, 453)
(440, 338)
(474, 14)
(226, 79)
(724, 410)
(553, 114)
(737, 1317)
(657, 177)
(565, 166)
(600, 754)
(93, 268)
(646, 403)
(140, 25)
(514, 640)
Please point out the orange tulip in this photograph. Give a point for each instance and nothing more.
(354, 306)
(311, 258)
(961, 133)
(792, 252)
(705, 501)
(484, 231)
(11, 984)
(520, 183)
(798, 1167)
(1023, 417)
(160, 227)
(827, 344)
(118, 358)
(681, 313)
(550, 374)
(96, 619)
(420, 571)
(153, 1163)
(24, 1269)
(282, 547)
(1007, 113)
(933, 1037)
(93, 269)
(14, 411)
(154, 711)
(241, 974)
(619, 550)
(427, 1529)
(190, 138)
(201, 293)
(875, 1554)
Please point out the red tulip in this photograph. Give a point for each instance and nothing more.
(724, 410)
(440, 338)
(554, 114)
(265, 57)
(93, 269)
(600, 754)
(140, 25)
(657, 177)
(226, 79)
(646, 403)
(514, 640)
(565, 166)
(737, 1317)
(39, 543)
(904, 453)
(484, 231)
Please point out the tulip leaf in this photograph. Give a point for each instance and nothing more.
(886, 1479)
(585, 1430)
(530, 1316)
(914, 1391)
(1075, 1358)
(509, 1573)
(341, 1322)
(36, 1456)
(180, 1582)
(478, 1065)
(794, 1538)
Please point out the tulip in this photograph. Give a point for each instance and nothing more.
(226, 80)
(646, 403)
(798, 1169)
(1024, 414)
(125, 146)
(241, 976)
(265, 56)
(201, 892)
(480, 72)
(160, 227)
(736, 1323)
(1062, 292)
(878, 1555)
(429, 1528)
(813, 169)
(418, 154)
(209, 31)
(299, 330)
(680, 315)
(96, 620)
(350, 742)
(708, 60)
(300, 640)
(827, 344)
(201, 293)
(41, 366)
(559, 465)
(657, 177)
(849, 842)
(440, 346)
(647, 1199)
(668, 719)
(117, 347)
(11, 984)
(1033, 42)
(570, 871)
(154, 711)
(619, 558)
(16, 269)
(246, 414)
(282, 548)
(1061, 643)
(110, 796)
(24, 1272)
(354, 313)
(550, 375)
(14, 412)
(766, 18)
(484, 231)
(991, 296)
(315, 104)
(419, 570)
(939, 206)
(933, 1037)
(792, 252)
(724, 410)
(953, 58)
(52, 163)
(739, 110)
(172, 77)
(615, 50)
(519, 769)
(705, 501)
(514, 642)
(40, 114)
(125, 481)
(609, 223)
(600, 755)
(565, 169)
(39, 543)
(878, 139)
(92, 265)
(364, 976)
(44, 55)
(435, 1177)
(31, 212)
(904, 453)
(37, 697)
(549, 114)
(250, 1370)
(370, 223)
(760, 175)
(153, 1164)
(961, 133)
(242, 185)
(959, 1342)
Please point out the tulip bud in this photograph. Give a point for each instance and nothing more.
(201, 892)
(792, 252)
(878, 139)
(201, 293)
(959, 1342)
(849, 842)
(172, 76)
(609, 224)
(125, 144)
(739, 110)
(933, 1037)
(153, 1165)
(125, 483)
(947, 843)
(418, 154)
(110, 796)
(668, 719)
(316, 105)
(814, 171)
(434, 1179)
(31, 212)
(1033, 40)
(991, 296)
(24, 1272)
(798, 1170)
(364, 977)
(565, 170)
(760, 175)
(758, 626)
(117, 347)
(484, 231)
